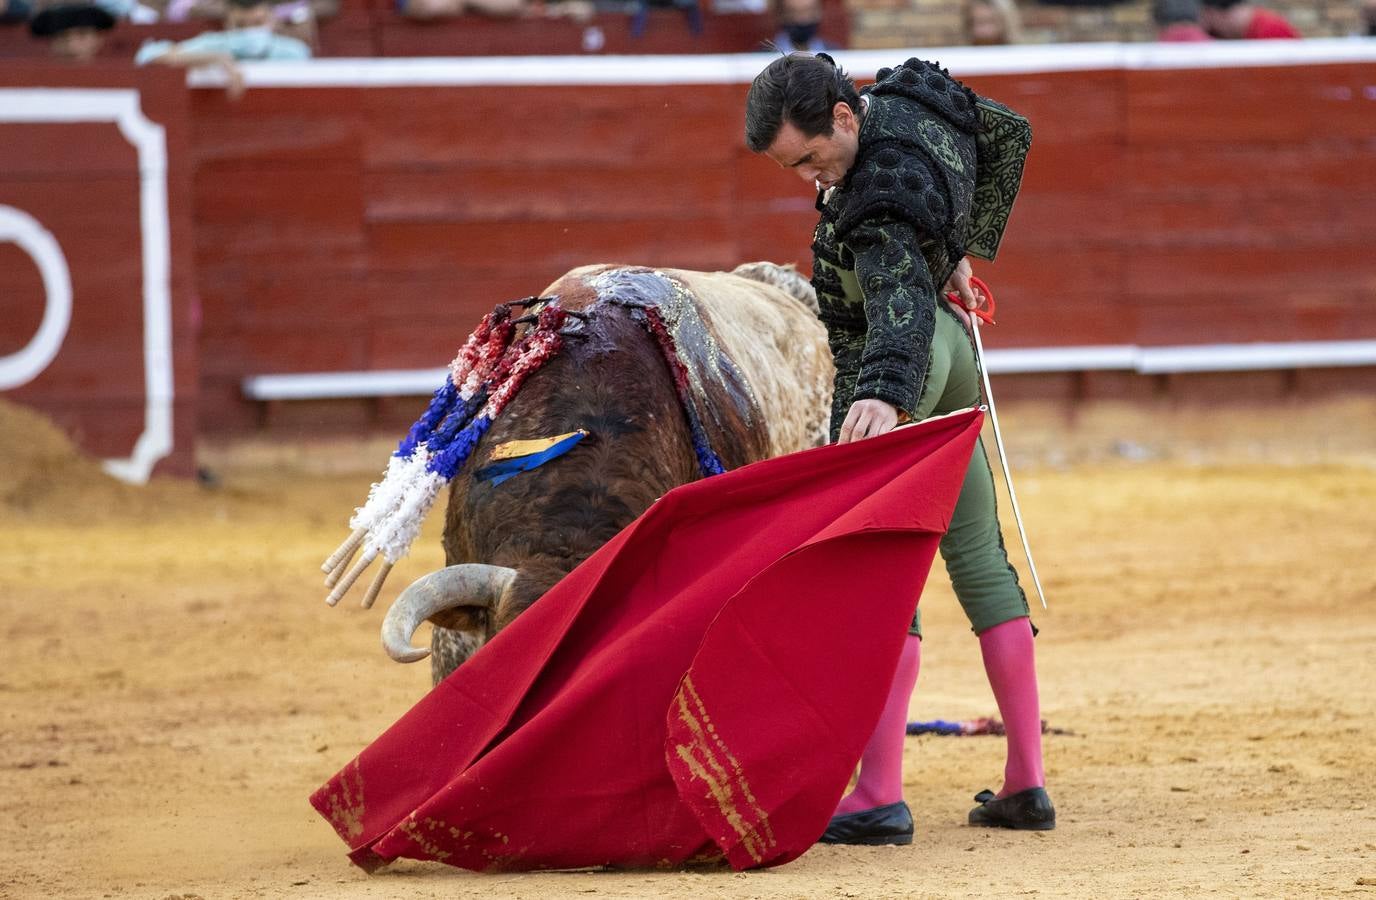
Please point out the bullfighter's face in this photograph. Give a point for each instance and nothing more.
(823, 159)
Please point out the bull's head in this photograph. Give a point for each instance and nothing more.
(457, 597)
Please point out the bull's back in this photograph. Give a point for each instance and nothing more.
(779, 345)
(772, 337)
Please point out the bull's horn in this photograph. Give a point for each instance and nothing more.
(466, 585)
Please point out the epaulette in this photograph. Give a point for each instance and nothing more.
(1004, 140)
(927, 83)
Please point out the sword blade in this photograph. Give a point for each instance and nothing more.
(1003, 457)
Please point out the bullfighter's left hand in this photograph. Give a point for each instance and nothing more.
(868, 418)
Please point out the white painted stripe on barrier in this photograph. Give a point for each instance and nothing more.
(1015, 361)
(155, 441)
(337, 385)
(1251, 357)
(29, 235)
(1026, 361)
(740, 68)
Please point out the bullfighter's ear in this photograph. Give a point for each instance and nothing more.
(844, 117)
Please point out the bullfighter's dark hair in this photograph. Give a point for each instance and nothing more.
(800, 89)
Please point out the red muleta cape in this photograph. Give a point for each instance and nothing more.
(701, 687)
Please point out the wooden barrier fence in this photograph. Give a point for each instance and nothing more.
(351, 216)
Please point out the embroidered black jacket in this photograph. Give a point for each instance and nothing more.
(935, 179)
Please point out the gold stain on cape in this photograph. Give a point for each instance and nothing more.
(413, 831)
(346, 803)
(710, 761)
(439, 841)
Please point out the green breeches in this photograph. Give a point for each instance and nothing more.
(985, 583)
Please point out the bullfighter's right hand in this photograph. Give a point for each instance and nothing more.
(967, 295)
(959, 284)
(868, 418)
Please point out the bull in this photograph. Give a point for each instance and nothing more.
(752, 363)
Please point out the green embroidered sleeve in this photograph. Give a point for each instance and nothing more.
(900, 312)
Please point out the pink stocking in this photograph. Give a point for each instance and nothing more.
(881, 766)
(1011, 665)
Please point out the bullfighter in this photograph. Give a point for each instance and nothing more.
(912, 174)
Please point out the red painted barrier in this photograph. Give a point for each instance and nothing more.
(1147, 216)
(346, 228)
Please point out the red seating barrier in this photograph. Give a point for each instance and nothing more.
(344, 228)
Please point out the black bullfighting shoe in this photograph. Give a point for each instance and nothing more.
(1028, 810)
(892, 824)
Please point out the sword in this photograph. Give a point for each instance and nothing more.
(975, 316)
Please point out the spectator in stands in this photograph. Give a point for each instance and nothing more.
(1177, 21)
(14, 12)
(76, 32)
(1369, 18)
(799, 21)
(444, 9)
(250, 33)
(1239, 20)
(734, 7)
(296, 18)
(131, 11)
(992, 22)
(577, 10)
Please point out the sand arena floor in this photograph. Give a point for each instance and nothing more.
(173, 688)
